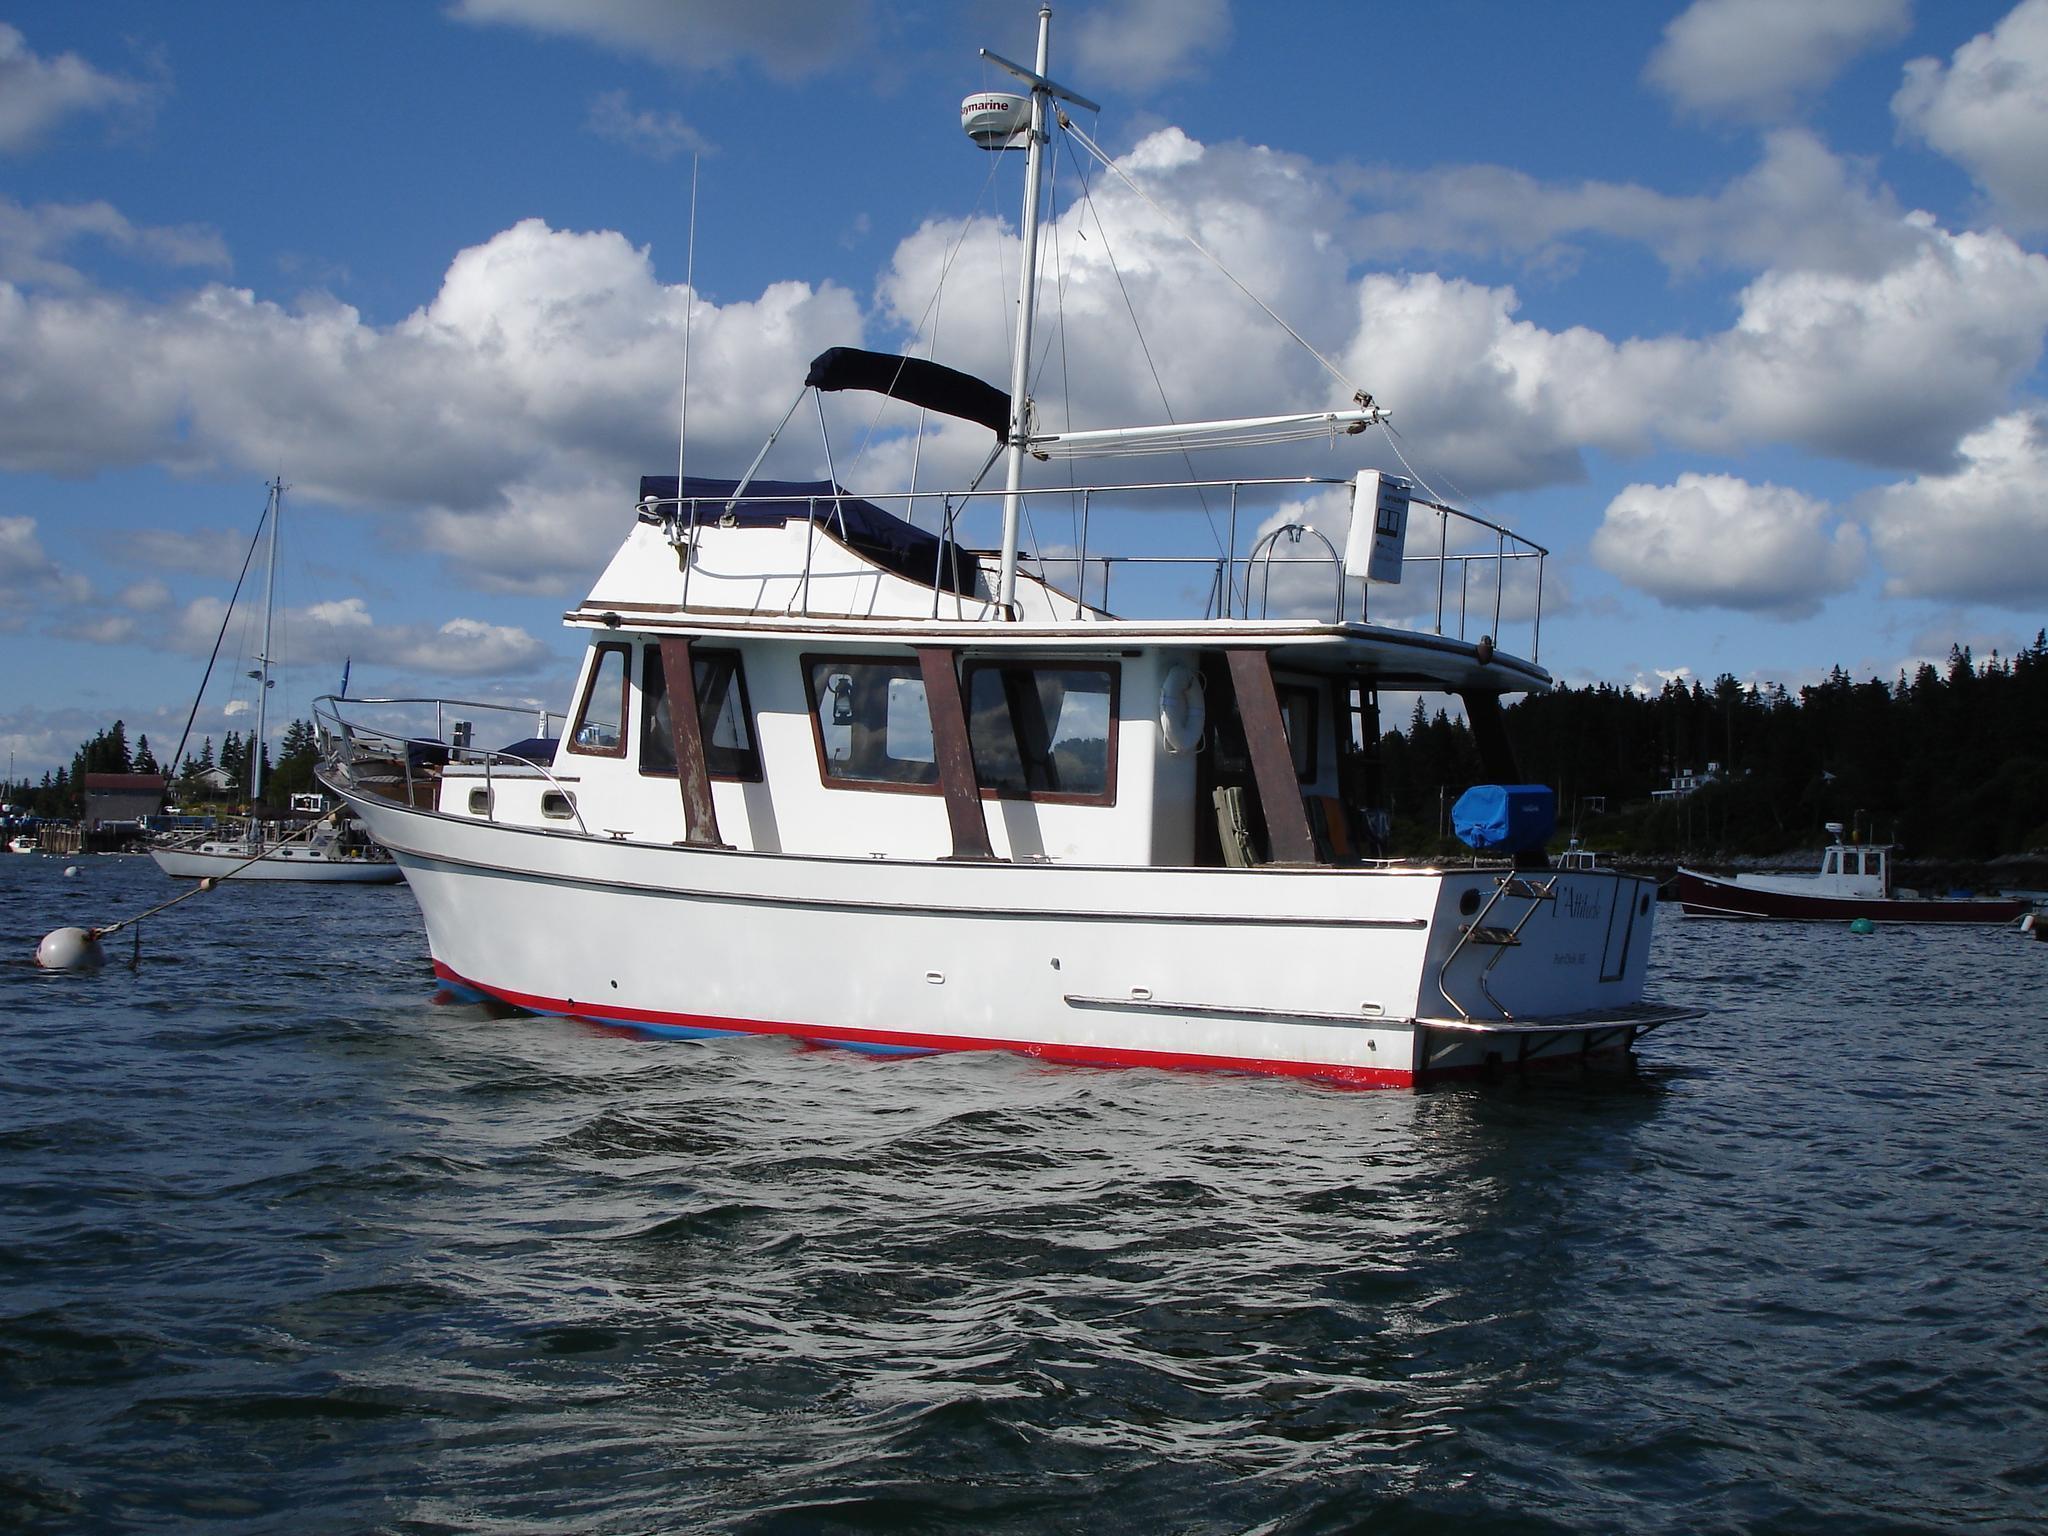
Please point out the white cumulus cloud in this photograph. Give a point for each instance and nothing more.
(1757, 58)
(1979, 534)
(1715, 541)
(32, 241)
(1988, 110)
(660, 135)
(1140, 44)
(547, 357)
(36, 92)
(787, 39)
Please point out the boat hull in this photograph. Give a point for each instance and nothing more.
(1314, 972)
(1703, 895)
(276, 864)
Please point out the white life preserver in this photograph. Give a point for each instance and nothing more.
(1183, 709)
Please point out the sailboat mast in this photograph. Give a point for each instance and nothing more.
(1027, 301)
(262, 672)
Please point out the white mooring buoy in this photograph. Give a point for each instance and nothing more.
(71, 949)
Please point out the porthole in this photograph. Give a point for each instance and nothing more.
(480, 802)
(1468, 903)
(558, 805)
(1643, 906)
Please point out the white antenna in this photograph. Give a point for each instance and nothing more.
(689, 305)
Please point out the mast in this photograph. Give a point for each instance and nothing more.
(1027, 302)
(262, 672)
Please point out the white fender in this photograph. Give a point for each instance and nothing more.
(1183, 709)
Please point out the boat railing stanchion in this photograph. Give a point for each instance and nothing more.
(689, 538)
(803, 601)
(1081, 557)
(1500, 576)
(1230, 563)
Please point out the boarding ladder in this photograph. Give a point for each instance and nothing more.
(1513, 886)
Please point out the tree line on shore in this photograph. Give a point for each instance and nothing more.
(1950, 763)
(201, 779)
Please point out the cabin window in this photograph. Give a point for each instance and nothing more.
(479, 802)
(1041, 730)
(601, 718)
(1298, 714)
(722, 714)
(557, 805)
(871, 722)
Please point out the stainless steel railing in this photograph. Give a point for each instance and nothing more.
(1462, 565)
(351, 743)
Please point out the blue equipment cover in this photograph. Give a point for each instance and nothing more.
(1513, 818)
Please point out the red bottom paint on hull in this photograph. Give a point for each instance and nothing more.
(1716, 898)
(920, 1044)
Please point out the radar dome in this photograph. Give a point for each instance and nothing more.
(996, 120)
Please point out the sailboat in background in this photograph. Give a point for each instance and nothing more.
(334, 851)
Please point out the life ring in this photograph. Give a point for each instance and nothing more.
(1183, 709)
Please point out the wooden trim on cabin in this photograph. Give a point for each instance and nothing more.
(955, 757)
(1265, 732)
(1490, 736)
(625, 653)
(752, 774)
(686, 731)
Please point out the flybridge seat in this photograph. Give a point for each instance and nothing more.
(879, 536)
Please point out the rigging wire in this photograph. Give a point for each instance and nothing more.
(1138, 330)
(1188, 235)
(178, 757)
(931, 311)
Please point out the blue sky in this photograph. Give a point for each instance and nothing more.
(1738, 307)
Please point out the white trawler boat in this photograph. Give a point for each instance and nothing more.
(834, 776)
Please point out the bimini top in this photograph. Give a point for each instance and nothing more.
(879, 536)
(913, 380)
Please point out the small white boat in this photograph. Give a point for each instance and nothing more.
(1576, 857)
(1854, 881)
(21, 843)
(832, 775)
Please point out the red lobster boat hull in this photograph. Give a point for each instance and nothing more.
(1705, 896)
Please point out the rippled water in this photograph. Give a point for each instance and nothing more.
(284, 1246)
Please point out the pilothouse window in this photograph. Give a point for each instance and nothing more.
(873, 724)
(722, 714)
(1040, 729)
(601, 722)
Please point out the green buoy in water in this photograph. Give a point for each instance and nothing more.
(1863, 925)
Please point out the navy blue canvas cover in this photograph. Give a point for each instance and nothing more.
(880, 536)
(1509, 818)
(931, 385)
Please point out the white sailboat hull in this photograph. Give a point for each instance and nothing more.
(1321, 972)
(236, 861)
